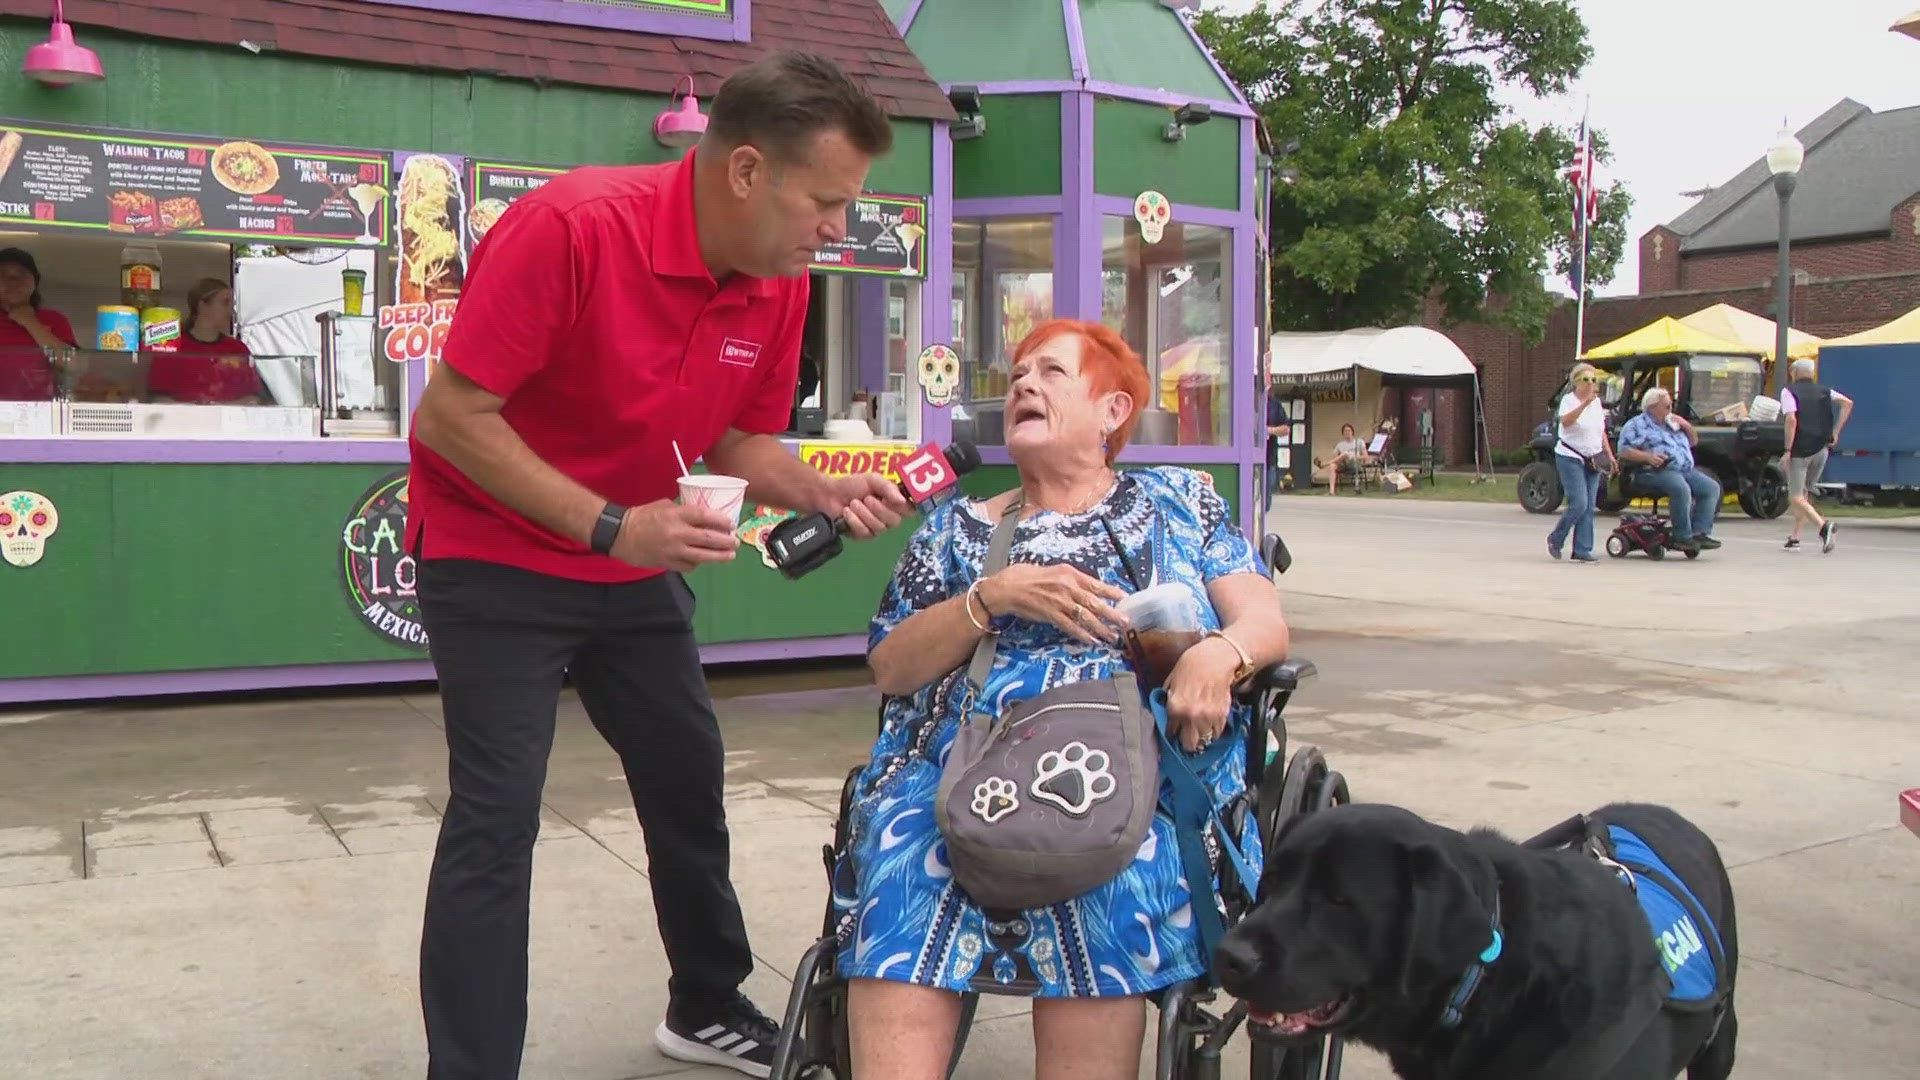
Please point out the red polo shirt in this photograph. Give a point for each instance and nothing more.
(25, 374)
(589, 310)
(205, 371)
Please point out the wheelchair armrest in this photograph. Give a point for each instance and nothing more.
(1283, 675)
(1273, 551)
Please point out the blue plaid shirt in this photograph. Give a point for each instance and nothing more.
(1645, 433)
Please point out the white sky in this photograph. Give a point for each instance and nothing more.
(1690, 91)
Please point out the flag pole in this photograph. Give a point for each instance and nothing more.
(1582, 199)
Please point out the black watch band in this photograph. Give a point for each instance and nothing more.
(607, 528)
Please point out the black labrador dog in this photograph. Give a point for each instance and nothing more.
(1465, 955)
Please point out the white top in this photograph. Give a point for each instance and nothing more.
(1588, 435)
(1787, 402)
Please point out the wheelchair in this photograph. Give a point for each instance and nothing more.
(1192, 1032)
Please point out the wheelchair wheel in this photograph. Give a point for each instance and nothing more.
(1617, 546)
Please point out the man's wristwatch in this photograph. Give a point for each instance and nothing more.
(606, 529)
(1241, 673)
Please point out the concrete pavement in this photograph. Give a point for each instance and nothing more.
(232, 888)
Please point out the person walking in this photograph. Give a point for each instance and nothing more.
(1583, 458)
(1812, 430)
(1279, 433)
(611, 319)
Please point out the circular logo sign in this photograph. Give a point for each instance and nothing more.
(378, 572)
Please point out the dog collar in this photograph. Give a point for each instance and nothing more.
(1455, 1011)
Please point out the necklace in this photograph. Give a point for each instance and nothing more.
(1087, 501)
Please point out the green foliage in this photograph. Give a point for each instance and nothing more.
(1413, 179)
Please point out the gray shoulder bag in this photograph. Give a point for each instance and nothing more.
(1054, 798)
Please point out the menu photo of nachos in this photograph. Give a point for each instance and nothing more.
(430, 205)
(180, 214)
(245, 168)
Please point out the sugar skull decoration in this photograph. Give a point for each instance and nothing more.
(939, 374)
(27, 519)
(1152, 210)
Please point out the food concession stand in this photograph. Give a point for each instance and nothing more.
(195, 547)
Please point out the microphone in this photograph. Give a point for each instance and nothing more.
(801, 545)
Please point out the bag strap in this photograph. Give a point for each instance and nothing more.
(1191, 807)
(999, 550)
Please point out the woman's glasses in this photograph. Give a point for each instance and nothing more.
(1589, 380)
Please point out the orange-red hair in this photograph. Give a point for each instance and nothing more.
(1107, 361)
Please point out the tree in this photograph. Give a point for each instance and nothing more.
(1411, 179)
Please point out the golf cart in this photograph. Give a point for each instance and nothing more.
(1712, 390)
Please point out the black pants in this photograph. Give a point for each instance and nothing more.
(501, 640)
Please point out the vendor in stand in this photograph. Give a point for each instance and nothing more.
(26, 374)
(210, 366)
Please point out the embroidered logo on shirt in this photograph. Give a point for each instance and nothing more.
(739, 353)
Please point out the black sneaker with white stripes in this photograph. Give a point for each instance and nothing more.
(735, 1036)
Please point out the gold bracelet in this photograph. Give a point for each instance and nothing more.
(966, 602)
(1246, 662)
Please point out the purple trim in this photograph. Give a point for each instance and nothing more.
(230, 680)
(1076, 40)
(907, 17)
(1112, 90)
(101, 451)
(1009, 206)
(1249, 411)
(1186, 213)
(1248, 436)
(870, 334)
(143, 684)
(736, 27)
(1161, 97)
(936, 297)
(745, 652)
(1089, 255)
(1142, 455)
(1194, 36)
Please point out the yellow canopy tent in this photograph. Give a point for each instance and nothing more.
(1753, 331)
(1904, 330)
(1666, 335)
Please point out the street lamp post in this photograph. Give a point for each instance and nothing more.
(1783, 161)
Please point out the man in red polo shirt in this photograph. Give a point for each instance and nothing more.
(607, 317)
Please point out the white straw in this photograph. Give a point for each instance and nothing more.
(684, 471)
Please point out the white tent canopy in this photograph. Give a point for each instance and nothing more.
(1412, 351)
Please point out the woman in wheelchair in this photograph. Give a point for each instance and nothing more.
(912, 942)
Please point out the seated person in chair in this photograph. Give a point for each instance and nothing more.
(912, 940)
(1658, 446)
(1349, 458)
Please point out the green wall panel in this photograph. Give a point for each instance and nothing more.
(177, 567)
(908, 169)
(155, 85)
(185, 567)
(1020, 153)
(744, 600)
(1141, 43)
(1204, 169)
(982, 41)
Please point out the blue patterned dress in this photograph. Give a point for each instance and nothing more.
(899, 914)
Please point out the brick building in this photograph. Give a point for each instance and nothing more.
(1856, 264)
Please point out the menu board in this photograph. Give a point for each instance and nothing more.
(159, 185)
(495, 187)
(885, 235)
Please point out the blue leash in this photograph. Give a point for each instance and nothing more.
(1190, 805)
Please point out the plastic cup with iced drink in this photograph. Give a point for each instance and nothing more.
(722, 493)
(1163, 623)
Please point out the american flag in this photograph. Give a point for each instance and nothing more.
(1582, 175)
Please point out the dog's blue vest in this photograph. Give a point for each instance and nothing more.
(1687, 940)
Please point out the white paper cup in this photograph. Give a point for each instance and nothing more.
(722, 493)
